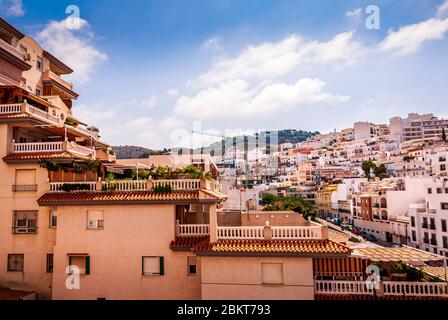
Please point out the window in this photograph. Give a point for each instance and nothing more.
(38, 92)
(414, 236)
(429, 190)
(153, 266)
(25, 180)
(272, 273)
(53, 218)
(442, 167)
(39, 64)
(25, 222)
(49, 266)
(443, 222)
(445, 242)
(412, 221)
(439, 190)
(82, 262)
(15, 262)
(95, 219)
(432, 224)
(192, 266)
(444, 205)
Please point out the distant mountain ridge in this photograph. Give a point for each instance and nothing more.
(135, 152)
(284, 136)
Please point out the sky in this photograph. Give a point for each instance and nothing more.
(151, 72)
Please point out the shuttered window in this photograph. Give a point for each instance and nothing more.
(82, 262)
(95, 219)
(153, 266)
(15, 262)
(24, 222)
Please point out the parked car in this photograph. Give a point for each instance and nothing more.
(370, 237)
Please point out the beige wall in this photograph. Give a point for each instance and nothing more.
(34, 246)
(129, 233)
(229, 278)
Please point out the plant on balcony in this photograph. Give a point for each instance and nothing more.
(50, 165)
(71, 122)
(161, 189)
(299, 205)
(412, 274)
(68, 187)
(82, 167)
(93, 129)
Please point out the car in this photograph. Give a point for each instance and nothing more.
(370, 238)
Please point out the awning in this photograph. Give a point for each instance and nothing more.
(438, 272)
(405, 254)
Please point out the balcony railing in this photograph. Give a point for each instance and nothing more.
(278, 233)
(192, 230)
(178, 184)
(59, 186)
(125, 185)
(24, 187)
(31, 110)
(38, 147)
(341, 287)
(390, 288)
(426, 289)
(10, 108)
(42, 114)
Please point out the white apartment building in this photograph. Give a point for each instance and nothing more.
(429, 218)
(416, 126)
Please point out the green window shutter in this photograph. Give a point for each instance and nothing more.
(87, 264)
(162, 266)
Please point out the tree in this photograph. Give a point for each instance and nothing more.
(299, 205)
(366, 166)
(380, 171)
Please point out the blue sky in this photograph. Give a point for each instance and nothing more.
(148, 71)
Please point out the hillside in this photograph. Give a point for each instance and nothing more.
(135, 152)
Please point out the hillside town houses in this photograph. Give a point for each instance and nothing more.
(77, 223)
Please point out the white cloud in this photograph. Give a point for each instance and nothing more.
(356, 13)
(274, 59)
(411, 38)
(211, 44)
(442, 9)
(235, 98)
(74, 47)
(172, 92)
(13, 8)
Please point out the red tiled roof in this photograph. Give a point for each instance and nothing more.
(257, 247)
(15, 116)
(39, 155)
(115, 196)
(188, 243)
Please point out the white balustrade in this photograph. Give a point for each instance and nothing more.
(178, 184)
(194, 229)
(56, 186)
(427, 289)
(42, 114)
(341, 287)
(240, 232)
(38, 147)
(296, 232)
(10, 108)
(125, 185)
(73, 147)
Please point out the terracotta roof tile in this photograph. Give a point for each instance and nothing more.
(115, 196)
(188, 243)
(292, 247)
(15, 116)
(337, 236)
(39, 155)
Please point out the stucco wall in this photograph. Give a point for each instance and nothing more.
(241, 278)
(130, 232)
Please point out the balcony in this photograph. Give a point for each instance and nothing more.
(57, 146)
(50, 75)
(7, 47)
(30, 110)
(139, 185)
(257, 232)
(390, 288)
